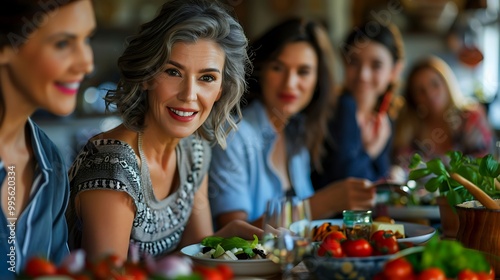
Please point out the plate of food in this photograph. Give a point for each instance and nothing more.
(410, 232)
(245, 258)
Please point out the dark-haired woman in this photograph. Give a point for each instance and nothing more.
(361, 130)
(44, 55)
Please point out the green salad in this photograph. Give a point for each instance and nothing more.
(233, 248)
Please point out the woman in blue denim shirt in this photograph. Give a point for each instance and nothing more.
(282, 131)
(44, 55)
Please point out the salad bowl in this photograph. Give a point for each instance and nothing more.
(252, 267)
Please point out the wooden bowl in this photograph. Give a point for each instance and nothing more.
(480, 229)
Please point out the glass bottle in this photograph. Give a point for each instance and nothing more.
(357, 223)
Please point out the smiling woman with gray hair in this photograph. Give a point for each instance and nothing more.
(145, 182)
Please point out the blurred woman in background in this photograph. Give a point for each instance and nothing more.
(437, 117)
(361, 129)
(44, 56)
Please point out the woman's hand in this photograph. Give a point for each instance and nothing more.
(348, 194)
(241, 229)
(375, 132)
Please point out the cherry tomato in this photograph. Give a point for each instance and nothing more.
(384, 242)
(467, 274)
(486, 275)
(335, 235)
(357, 248)
(225, 271)
(330, 247)
(37, 266)
(398, 269)
(432, 273)
(102, 270)
(209, 273)
(136, 272)
(380, 234)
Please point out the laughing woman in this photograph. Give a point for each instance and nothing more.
(145, 182)
(39, 70)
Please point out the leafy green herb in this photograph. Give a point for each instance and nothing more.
(231, 243)
(448, 255)
(480, 171)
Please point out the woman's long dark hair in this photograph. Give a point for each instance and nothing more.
(317, 112)
(18, 19)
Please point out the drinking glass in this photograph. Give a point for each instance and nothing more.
(287, 233)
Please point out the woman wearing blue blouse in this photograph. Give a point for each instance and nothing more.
(44, 55)
(361, 130)
(282, 131)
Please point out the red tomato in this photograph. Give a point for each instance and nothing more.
(432, 273)
(335, 235)
(380, 234)
(40, 267)
(486, 275)
(330, 247)
(357, 248)
(384, 242)
(467, 274)
(225, 271)
(102, 270)
(398, 269)
(209, 273)
(135, 272)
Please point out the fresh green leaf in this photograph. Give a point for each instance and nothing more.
(434, 183)
(454, 198)
(212, 241)
(416, 159)
(489, 166)
(469, 173)
(450, 256)
(255, 241)
(418, 173)
(436, 166)
(455, 157)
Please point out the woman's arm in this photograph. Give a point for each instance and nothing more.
(348, 194)
(107, 218)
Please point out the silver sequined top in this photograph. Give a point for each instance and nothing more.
(109, 164)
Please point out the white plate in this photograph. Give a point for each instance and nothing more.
(260, 268)
(410, 212)
(415, 233)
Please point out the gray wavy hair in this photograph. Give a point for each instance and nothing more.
(150, 49)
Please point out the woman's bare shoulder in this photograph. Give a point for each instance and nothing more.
(119, 133)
